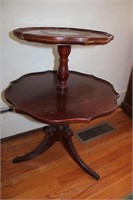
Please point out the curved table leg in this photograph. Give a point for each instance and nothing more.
(68, 144)
(48, 141)
(63, 134)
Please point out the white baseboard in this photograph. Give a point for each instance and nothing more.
(14, 123)
(122, 96)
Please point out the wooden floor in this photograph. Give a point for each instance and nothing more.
(54, 175)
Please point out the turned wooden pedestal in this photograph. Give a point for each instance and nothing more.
(62, 97)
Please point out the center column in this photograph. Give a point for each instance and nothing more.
(63, 71)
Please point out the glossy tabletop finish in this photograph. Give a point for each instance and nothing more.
(59, 98)
(88, 97)
(56, 35)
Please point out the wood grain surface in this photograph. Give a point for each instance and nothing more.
(88, 97)
(54, 175)
(60, 35)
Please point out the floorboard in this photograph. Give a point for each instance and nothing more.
(54, 175)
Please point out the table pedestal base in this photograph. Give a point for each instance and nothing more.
(63, 134)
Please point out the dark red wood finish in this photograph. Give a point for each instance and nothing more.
(87, 97)
(59, 98)
(63, 71)
(57, 35)
(63, 134)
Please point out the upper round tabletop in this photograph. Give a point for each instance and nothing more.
(63, 36)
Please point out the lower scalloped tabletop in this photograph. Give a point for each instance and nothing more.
(87, 98)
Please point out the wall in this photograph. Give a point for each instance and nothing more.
(111, 62)
(132, 32)
(0, 54)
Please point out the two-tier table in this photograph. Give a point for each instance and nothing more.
(62, 97)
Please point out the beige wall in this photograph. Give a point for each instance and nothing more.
(111, 62)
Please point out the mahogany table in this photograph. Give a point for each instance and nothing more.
(62, 97)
